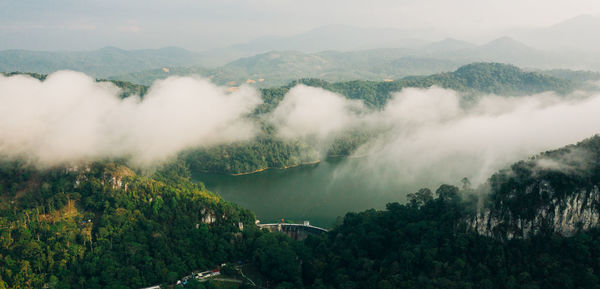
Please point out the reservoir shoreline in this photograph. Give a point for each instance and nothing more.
(264, 169)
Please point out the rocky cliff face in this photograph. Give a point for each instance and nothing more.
(564, 214)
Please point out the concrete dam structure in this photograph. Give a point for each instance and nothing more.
(295, 231)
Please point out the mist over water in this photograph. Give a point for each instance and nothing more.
(432, 136)
(427, 136)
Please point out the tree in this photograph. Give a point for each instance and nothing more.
(421, 197)
(447, 193)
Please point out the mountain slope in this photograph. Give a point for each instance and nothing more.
(101, 225)
(99, 63)
(576, 34)
(556, 191)
(431, 241)
(277, 68)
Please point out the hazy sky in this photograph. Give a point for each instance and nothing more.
(205, 24)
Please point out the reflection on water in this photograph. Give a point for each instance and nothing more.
(318, 193)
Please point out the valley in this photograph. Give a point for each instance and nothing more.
(331, 156)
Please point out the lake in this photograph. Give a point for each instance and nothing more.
(319, 193)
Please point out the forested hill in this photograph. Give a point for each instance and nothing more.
(98, 63)
(102, 225)
(430, 242)
(471, 80)
(557, 191)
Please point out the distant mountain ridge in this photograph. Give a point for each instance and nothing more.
(576, 34)
(328, 37)
(99, 63)
(333, 53)
(277, 68)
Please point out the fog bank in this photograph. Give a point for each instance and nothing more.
(422, 136)
(70, 117)
(432, 138)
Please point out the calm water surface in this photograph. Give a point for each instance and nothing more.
(318, 193)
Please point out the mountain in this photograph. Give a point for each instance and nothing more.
(542, 232)
(330, 37)
(277, 68)
(504, 46)
(576, 34)
(532, 47)
(506, 50)
(106, 226)
(99, 63)
(529, 224)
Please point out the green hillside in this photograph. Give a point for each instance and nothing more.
(98, 63)
(102, 225)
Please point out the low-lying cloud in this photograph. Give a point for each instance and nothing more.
(426, 136)
(70, 117)
(307, 112)
(431, 137)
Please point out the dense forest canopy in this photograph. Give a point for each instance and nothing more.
(103, 225)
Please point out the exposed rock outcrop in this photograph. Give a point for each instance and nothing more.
(564, 214)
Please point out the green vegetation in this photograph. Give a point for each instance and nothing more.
(424, 244)
(104, 226)
(470, 80)
(567, 171)
(267, 151)
(262, 153)
(427, 243)
(102, 62)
